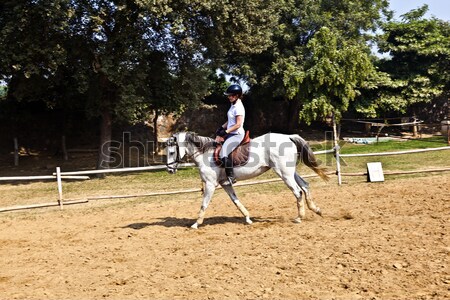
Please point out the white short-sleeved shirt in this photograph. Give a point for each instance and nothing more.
(236, 110)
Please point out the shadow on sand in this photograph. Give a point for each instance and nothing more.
(184, 222)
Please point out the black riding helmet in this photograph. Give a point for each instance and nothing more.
(234, 89)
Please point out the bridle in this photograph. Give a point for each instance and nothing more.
(173, 144)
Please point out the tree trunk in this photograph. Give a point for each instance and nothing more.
(448, 119)
(104, 154)
(294, 109)
(155, 132)
(63, 126)
(336, 134)
(108, 96)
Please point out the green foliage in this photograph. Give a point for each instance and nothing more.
(418, 66)
(31, 34)
(319, 58)
(125, 56)
(129, 57)
(3, 91)
(332, 79)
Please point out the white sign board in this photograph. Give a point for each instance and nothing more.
(375, 172)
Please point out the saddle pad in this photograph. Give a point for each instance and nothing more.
(240, 155)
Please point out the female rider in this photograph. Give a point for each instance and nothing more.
(232, 131)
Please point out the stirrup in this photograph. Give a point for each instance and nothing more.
(231, 180)
(228, 181)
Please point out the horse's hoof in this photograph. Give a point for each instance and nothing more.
(319, 212)
(248, 221)
(297, 220)
(194, 226)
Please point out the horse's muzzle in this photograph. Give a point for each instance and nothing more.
(171, 170)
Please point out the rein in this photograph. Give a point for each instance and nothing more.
(170, 167)
(199, 150)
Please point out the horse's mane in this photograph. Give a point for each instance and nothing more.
(202, 143)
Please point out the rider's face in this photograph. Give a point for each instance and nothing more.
(232, 98)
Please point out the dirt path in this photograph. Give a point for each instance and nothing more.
(376, 241)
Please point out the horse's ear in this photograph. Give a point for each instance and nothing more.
(181, 139)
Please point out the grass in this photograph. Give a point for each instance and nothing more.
(388, 146)
(145, 182)
(404, 162)
(393, 145)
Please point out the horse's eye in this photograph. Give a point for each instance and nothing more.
(171, 142)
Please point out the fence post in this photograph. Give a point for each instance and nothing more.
(336, 151)
(415, 127)
(59, 182)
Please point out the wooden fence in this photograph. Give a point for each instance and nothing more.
(82, 175)
(338, 155)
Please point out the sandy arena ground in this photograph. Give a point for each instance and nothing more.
(376, 241)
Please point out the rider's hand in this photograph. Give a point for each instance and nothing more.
(221, 132)
(219, 139)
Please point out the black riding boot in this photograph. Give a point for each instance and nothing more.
(228, 164)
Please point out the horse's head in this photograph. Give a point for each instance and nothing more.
(176, 150)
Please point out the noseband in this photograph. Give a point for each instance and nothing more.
(173, 166)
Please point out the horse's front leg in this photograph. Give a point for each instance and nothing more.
(207, 196)
(230, 191)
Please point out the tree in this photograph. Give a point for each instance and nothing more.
(417, 69)
(334, 76)
(31, 47)
(117, 59)
(319, 56)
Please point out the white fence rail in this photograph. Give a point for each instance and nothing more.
(396, 152)
(122, 170)
(81, 175)
(44, 177)
(340, 174)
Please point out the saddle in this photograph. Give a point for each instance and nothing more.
(240, 155)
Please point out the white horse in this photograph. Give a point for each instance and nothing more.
(270, 151)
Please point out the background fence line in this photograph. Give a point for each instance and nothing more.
(340, 174)
(396, 152)
(44, 177)
(401, 172)
(75, 175)
(123, 170)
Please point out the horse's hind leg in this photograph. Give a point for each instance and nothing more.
(301, 209)
(298, 185)
(304, 186)
(309, 201)
(230, 191)
(300, 203)
(291, 182)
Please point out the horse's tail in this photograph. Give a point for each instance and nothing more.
(307, 156)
